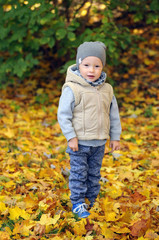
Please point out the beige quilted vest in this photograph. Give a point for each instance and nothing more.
(92, 106)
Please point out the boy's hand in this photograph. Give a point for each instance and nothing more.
(114, 145)
(73, 144)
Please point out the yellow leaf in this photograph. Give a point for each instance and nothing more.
(9, 133)
(24, 214)
(2, 198)
(125, 159)
(139, 142)
(23, 228)
(126, 217)
(29, 175)
(147, 61)
(127, 136)
(60, 138)
(69, 234)
(124, 60)
(136, 217)
(43, 206)
(115, 192)
(65, 196)
(108, 169)
(136, 173)
(106, 205)
(89, 238)
(2, 207)
(8, 120)
(9, 184)
(47, 220)
(8, 230)
(116, 207)
(17, 212)
(79, 227)
(152, 52)
(48, 228)
(156, 202)
(122, 230)
(40, 91)
(107, 232)
(126, 175)
(110, 216)
(17, 228)
(155, 154)
(84, 12)
(13, 175)
(146, 192)
(7, 8)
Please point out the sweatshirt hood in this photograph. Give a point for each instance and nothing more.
(73, 75)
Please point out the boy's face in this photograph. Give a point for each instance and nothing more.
(91, 68)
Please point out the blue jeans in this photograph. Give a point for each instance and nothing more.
(85, 172)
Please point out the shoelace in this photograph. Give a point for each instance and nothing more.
(81, 208)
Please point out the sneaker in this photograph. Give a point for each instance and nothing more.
(81, 210)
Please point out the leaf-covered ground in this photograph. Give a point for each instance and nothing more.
(34, 168)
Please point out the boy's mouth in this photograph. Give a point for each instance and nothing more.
(91, 76)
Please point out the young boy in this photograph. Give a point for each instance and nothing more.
(88, 114)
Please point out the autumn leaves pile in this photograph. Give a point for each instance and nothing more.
(34, 168)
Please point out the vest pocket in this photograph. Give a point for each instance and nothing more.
(78, 123)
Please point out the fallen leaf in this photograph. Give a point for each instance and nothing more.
(140, 227)
(17, 212)
(47, 220)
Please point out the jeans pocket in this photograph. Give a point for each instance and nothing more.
(70, 151)
(81, 149)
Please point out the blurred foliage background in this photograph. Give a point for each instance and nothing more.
(41, 37)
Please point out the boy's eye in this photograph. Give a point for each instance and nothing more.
(86, 65)
(97, 66)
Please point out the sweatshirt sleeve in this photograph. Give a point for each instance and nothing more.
(115, 125)
(65, 113)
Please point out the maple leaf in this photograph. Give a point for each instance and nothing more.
(79, 227)
(115, 192)
(110, 216)
(140, 227)
(89, 226)
(23, 228)
(17, 212)
(39, 229)
(137, 197)
(43, 206)
(47, 220)
(9, 133)
(34, 167)
(150, 234)
(107, 232)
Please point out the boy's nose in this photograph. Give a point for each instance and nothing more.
(92, 69)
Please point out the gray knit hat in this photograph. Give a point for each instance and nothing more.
(87, 49)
